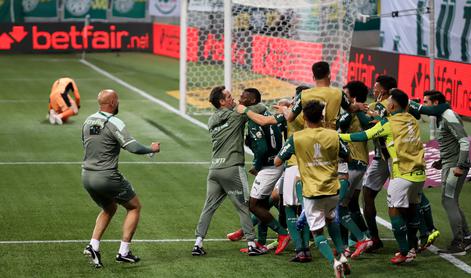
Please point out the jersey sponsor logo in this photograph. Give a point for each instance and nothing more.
(94, 122)
(219, 128)
(216, 161)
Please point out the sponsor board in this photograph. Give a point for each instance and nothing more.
(277, 57)
(451, 78)
(167, 41)
(67, 37)
(366, 65)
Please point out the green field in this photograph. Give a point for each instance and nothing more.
(42, 199)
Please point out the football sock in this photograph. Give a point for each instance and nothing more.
(348, 223)
(427, 212)
(262, 233)
(299, 192)
(276, 227)
(400, 233)
(199, 241)
(323, 246)
(95, 243)
(334, 232)
(255, 220)
(291, 218)
(344, 234)
(344, 184)
(357, 217)
(124, 248)
(306, 235)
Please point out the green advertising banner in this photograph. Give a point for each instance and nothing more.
(129, 9)
(11, 11)
(40, 8)
(79, 9)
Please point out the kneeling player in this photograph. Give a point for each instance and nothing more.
(61, 105)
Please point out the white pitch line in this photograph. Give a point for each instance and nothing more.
(150, 97)
(452, 259)
(144, 94)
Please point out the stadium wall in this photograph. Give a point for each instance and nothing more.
(412, 72)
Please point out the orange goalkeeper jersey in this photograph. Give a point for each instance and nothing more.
(57, 100)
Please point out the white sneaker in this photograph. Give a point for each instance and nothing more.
(58, 119)
(50, 116)
(346, 267)
(338, 269)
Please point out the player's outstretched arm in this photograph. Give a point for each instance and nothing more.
(381, 129)
(138, 148)
(285, 153)
(257, 118)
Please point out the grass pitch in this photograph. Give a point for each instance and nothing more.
(41, 195)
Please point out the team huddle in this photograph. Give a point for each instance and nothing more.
(311, 161)
(316, 176)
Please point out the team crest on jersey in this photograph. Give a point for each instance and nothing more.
(78, 7)
(259, 134)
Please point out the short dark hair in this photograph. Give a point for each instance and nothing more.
(320, 70)
(387, 82)
(313, 111)
(400, 97)
(301, 88)
(434, 95)
(357, 90)
(216, 96)
(255, 94)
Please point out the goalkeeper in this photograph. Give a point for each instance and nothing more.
(61, 105)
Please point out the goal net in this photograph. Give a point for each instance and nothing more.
(274, 44)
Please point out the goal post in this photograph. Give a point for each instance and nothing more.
(270, 45)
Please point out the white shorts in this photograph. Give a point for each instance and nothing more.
(318, 210)
(291, 176)
(342, 168)
(265, 181)
(376, 175)
(401, 192)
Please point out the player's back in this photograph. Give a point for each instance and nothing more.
(101, 146)
(331, 97)
(317, 152)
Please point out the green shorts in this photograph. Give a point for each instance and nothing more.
(106, 187)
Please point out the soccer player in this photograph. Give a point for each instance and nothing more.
(333, 98)
(265, 142)
(378, 171)
(454, 164)
(349, 209)
(227, 176)
(61, 105)
(103, 136)
(317, 152)
(406, 152)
